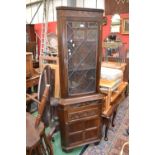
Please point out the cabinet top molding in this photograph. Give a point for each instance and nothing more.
(79, 9)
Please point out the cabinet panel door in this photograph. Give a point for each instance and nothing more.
(82, 48)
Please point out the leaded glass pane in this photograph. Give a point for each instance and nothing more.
(82, 39)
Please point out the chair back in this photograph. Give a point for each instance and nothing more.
(41, 105)
(47, 77)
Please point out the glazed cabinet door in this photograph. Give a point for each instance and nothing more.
(82, 47)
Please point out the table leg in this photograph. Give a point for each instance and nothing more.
(106, 129)
(113, 118)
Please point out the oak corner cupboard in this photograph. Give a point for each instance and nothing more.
(79, 46)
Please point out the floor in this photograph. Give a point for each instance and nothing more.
(117, 135)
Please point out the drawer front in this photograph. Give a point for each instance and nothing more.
(83, 110)
(84, 105)
(83, 114)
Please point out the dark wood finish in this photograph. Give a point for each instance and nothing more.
(31, 47)
(30, 32)
(126, 72)
(32, 76)
(29, 66)
(79, 47)
(31, 42)
(41, 106)
(111, 7)
(69, 15)
(80, 122)
(106, 118)
(48, 77)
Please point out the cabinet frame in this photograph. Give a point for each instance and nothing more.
(79, 108)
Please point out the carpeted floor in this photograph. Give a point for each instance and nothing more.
(117, 135)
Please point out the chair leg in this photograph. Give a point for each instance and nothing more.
(39, 149)
(48, 144)
(29, 152)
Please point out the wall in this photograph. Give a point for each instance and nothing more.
(51, 29)
(106, 31)
(123, 37)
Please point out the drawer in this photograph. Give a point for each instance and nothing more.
(73, 116)
(84, 105)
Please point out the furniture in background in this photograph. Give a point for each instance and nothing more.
(29, 66)
(111, 82)
(36, 140)
(126, 72)
(53, 62)
(115, 65)
(124, 66)
(49, 117)
(109, 110)
(112, 50)
(108, 118)
(31, 44)
(30, 33)
(47, 76)
(79, 48)
(113, 95)
(32, 79)
(32, 75)
(113, 86)
(116, 55)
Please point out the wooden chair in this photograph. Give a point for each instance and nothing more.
(36, 140)
(50, 116)
(47, 76)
